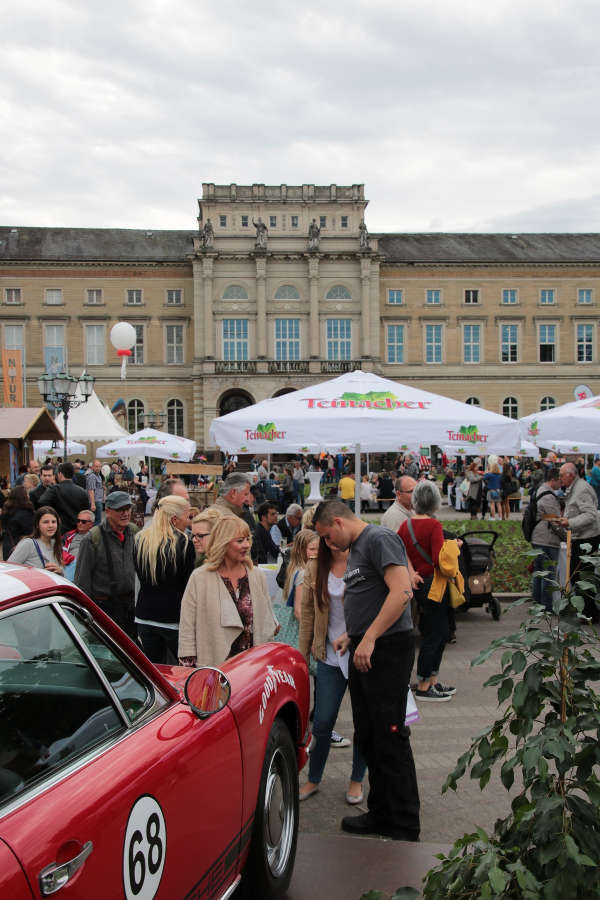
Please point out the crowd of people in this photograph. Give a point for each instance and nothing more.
(187, 584)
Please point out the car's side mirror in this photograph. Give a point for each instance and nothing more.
(207, 690)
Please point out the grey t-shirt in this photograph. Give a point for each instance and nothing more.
(375, 549)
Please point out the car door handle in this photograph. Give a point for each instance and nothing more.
(55, 876)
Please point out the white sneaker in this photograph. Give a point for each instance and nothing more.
(336, 740)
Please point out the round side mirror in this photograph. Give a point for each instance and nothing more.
(207, 690)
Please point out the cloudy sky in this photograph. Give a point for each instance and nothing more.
(457, 117)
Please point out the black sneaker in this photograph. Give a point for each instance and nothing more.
(368, 824)
(431, 694)
(444, 688)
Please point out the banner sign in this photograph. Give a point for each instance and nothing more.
(12, 374)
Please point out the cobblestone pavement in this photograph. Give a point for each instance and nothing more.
(438, 739)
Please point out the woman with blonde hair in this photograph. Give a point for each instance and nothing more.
(226, 606)
(164, 560)
(202, 525)
(308, 516)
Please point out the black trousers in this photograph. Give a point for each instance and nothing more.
(159, 644)
(121, 609)
(378, 709)
(579, 572)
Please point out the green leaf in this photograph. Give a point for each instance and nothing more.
(573, 850)
(498, 879)
(372, 895)
(507, 776)
(519, 661)
(405, 893)
(505, 690)
(484, 779)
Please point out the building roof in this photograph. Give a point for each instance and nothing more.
(89, 244)
(34, 423)
(489, 248)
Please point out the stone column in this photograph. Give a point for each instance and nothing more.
(365, 305)
(261, 307)
(375, 311)
(198, 320)
(207, 290)
(313, 279)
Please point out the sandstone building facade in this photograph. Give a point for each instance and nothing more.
(281, 286)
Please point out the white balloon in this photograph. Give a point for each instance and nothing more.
(122, 336)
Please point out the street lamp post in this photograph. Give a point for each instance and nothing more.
(60, 391)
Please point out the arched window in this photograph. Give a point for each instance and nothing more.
(287, 292)
(283, 391)
(175, 417)
(510, 407)
(473, 401)
(135, 416)
(338, 292)
(235, 292)
(547, 403)
(234, 400)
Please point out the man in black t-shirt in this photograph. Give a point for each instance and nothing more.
(380, 637)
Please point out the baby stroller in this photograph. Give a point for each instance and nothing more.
(476, 561)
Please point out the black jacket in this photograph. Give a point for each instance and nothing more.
(68, 500)
(266, 550)
(161, 601)
(286, 530)
(16, 524)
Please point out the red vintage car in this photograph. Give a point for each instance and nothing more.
(119, 778)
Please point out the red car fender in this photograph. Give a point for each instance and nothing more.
(266, 682)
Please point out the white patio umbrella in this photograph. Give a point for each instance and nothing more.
(149, 442)
(572, 424)
(49, 448)
(362, 412)
(526, 448)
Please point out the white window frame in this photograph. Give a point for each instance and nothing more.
(170, 294)
(295, 221)
(395, 296)
(586, 291)
(469, 292)
(172, 407)
(50, 344)
(343, 221)
(471, 343)
(395, 345)
(543, 406)
(433, 297)
(95, 292)
(502, 405)
(236, 339)
(547, 296)
(13, 296)
(131, 297)
(272, 221)
(434, 343)
(245, 220)
(505, 291)
(88, 356)
(137, 414)
(175, 348)
(12, 345)
(56, 294)
(338, 339)
(137, 357)
(503, 325)
(222, 221)
(554, 343)
(289, 343)
(591, 343)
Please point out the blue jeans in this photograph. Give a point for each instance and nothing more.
(545, 562)
(99, 511)
(330, 688)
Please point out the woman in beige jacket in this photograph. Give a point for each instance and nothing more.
(226, 606)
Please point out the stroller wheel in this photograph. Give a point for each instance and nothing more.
(494, 608)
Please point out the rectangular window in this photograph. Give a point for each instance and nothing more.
(434, 297)
(94, 345)
(12, 295)
(93, 296)
(509, 336)
(244, 221)
(54, 296)
(509, 296)
(287, 339)
(472, 343)
(294, 221)
(322, 221)
(344, 221)
(174, 345)
(134, 297)
(272, 221)
(395, 343)
(547, 343)
(547, 296)
(433, 343)
(14, 337)
(137, 357)
(395, 296)
(584, 295)
(339, 339)
(223, 221)
(54, 348)
(174, 297)
(235, 339)
(472, 296)
(585, 343)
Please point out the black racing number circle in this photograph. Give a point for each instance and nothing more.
(144, 849)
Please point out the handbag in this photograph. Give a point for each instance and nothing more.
(454, 595)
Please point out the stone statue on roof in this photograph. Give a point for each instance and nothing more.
(314, 233)
(363, 236)
(261, 234)
(207, 236)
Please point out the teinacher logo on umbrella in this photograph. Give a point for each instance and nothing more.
(371, 400)
(267, 432)
(468, 433)
(533, 428)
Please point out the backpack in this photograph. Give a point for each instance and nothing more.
(530, 516)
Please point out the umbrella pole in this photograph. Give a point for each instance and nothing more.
(357, 479)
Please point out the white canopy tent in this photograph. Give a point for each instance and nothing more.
(571, 428)
(92, 421)
(149, 442)
(360, 411)
(53, 449)
(526, 448)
